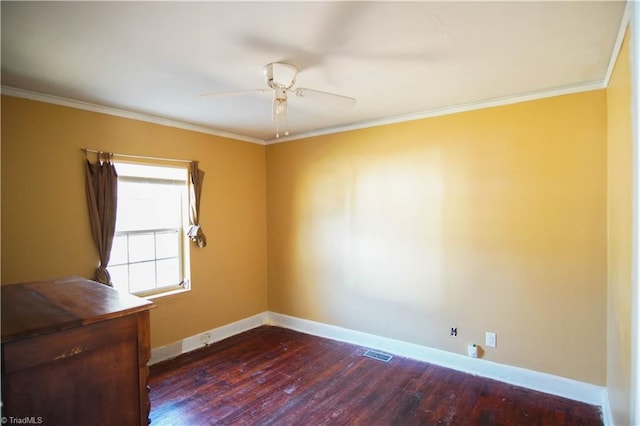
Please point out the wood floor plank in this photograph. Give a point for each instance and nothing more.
(274, 376)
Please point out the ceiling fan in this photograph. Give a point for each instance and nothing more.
(281, 77)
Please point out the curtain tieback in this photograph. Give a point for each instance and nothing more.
(196, 235)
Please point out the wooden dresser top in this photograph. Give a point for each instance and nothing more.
(35, 308)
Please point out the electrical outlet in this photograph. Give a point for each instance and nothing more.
(490, 339)
(205, 338)
(454, 332)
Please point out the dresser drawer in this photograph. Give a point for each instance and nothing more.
(31, 352)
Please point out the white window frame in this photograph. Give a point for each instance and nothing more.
(183, 249)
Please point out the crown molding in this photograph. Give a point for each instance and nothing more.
(50, 99)
(624, 23)
(507, 100)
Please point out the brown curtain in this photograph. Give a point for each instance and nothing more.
(102, 190)
(196, 176)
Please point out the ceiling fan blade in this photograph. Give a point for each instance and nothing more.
(234, 93)
(303, 92)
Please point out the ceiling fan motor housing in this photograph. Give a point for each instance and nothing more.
(280, 75)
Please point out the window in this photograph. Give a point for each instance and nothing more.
(150, 250)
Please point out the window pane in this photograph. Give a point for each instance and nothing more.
(142, 277)
(167, 206)
(143, 205)
(168, 272)
(119, 250)
(120, 277)
(167, 244)
(131, 207)
(141, 247)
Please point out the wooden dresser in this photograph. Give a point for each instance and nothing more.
(74, 352)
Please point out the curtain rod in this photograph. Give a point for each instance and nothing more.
(140, 157)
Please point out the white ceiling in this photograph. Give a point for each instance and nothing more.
(400, 60)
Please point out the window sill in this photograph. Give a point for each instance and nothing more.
(166, 293)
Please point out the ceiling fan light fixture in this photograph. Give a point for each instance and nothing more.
(280, 106)
(279, 112)
(280, 101)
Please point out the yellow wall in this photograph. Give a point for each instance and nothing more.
(490, 220)
(620, 210)
(45, 227)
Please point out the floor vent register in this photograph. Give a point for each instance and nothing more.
(380, 356)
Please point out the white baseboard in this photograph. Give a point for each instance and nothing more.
(607, 415)
(205, 338)
(543, 382)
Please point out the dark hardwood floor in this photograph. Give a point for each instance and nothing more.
(275, 376)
